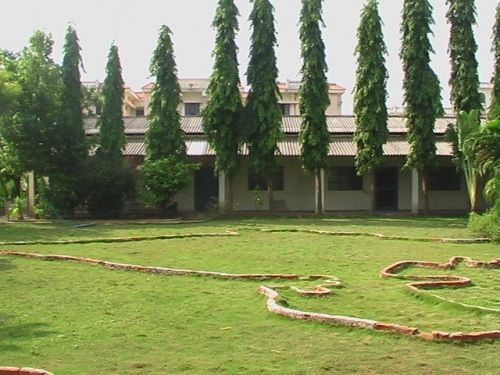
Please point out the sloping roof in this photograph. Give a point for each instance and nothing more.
(291, 125)
(340, 147)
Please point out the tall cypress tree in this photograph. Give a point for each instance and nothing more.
(223, 114)
(263, 114)
(111, 179)
(422, 93)
(494, 110)
(314, 100)
(111, 126)
(67, 180)
(165, 170)
(164, 137)
(370, 93)
(464, 78)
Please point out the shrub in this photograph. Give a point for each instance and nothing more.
(486, 225)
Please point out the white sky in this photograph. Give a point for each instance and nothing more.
(133, 26)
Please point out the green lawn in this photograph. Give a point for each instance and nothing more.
(80, 319)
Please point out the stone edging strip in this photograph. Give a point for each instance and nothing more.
(22, 371)
(118, 239)
(378, 235)
(323, 288)
(422, 283)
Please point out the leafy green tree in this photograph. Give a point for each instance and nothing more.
(370, 93)
(67, 181)
(165, 170)
(422, 92)
(223, 114)
(110, 179)
(464, 78)
(263, 114)
(32, 131)
(314, 99)
(164, 137)
(494, 110)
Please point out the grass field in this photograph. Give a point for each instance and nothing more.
(79, 319)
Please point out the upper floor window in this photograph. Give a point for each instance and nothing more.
(285, 109)
(482, 96)
(259, 182)
(444, 179)
(139, 112)
(344, 179)
(192, 109)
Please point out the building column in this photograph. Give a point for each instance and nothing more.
(415, 189)
(31, 194)
(222, 193)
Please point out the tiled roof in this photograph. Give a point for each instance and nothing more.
(291, 125)
(339, 147)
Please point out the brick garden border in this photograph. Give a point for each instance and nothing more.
(421, 284)
(22, 371)
(323, 288)
(377, 235)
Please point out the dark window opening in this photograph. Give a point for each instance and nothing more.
(259, 182)
(285, 109)
(444, 179)
(139, 112)
(192, 109)
(483, 98)
(344, 179)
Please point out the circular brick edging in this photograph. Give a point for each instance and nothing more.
(22, 371)
(422, 283)
(322, 289)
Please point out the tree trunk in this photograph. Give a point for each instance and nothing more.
(270, 194)
(319, 193)
(425, 192)
(373, 207)
(230, 187)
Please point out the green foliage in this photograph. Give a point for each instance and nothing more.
(314, 100)
(421, 85)
(487, 225)
(9, 87)
(16, 210)
(263, 115)
(110, 178)
(32, 132)
(111, 184)
(462, 136)
(163, 178)
(464, 80)
(67, 180)
(164, 137)
(223, 115)
(494, 110)
(370, 92)
(111, 127)
(92, 100)
(486, 148)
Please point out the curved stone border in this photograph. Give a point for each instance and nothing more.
(422, 283)
(378, 235)
(22, 370)
(272, 296)
(117, 239)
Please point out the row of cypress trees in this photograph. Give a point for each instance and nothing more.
(227, 122)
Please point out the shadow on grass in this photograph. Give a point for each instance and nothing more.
(6, 265)
(20, 332)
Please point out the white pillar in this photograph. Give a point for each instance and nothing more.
(222, 193)
(415, 188)
(31, 194)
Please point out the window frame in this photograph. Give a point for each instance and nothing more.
(255, 182)
(444, 179)
(196, 105)
(346, 180)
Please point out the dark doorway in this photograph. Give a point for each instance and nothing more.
(206, 188)
(386, 189)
